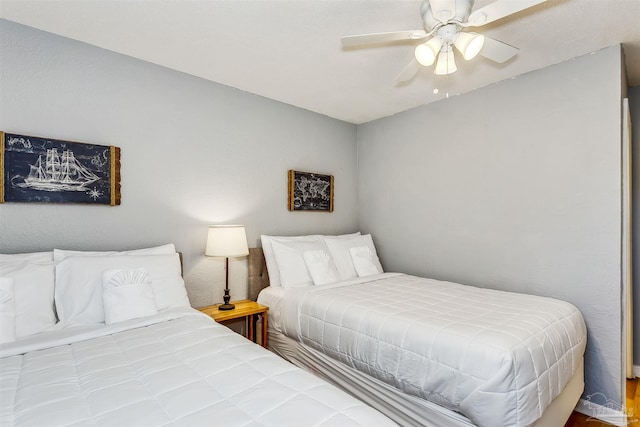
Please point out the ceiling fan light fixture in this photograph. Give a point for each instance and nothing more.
(446, 62)
(443, 24)
(469, 44)
(426, 52)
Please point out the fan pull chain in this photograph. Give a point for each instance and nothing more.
(446, 95)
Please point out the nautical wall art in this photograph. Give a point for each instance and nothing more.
(48, 170)
(310, 191)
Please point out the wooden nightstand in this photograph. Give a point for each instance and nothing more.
(244, 308)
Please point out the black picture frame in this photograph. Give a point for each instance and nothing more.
(309, 191)
(44, 170)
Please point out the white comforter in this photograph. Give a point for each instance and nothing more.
(498, 358)
(178, 368)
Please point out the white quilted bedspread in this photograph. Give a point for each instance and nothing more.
(498, 358)
(185, 371)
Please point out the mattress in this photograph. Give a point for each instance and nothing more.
(498, 358)
(178, 368)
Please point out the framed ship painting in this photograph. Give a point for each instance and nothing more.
(310, 191)
(48, 170)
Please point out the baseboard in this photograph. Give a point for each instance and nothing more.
(636, 371)
(611, 414)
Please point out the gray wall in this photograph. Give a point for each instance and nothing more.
(634, 104)
(193, 153)
(515, 186)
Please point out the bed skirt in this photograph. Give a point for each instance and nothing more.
(404, 409)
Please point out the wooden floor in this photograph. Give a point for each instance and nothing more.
(633, 410)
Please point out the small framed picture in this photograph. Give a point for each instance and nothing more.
(310, 191)
(44, 170)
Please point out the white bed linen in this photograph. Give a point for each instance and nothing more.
(177, 368)
(499, 358)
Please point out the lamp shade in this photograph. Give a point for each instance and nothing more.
(426, 52)
(227, 241)
(446, 62)
(469, 44)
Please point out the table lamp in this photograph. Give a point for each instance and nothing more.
(226, 241)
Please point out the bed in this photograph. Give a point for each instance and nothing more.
(422, 351)
(109, 339)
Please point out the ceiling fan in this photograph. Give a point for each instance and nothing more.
(444, 22)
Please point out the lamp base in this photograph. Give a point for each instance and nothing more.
(226, 298)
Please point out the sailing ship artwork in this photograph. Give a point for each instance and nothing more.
(47, 170)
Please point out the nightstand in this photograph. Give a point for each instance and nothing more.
(244, 308)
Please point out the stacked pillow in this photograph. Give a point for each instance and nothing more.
(7, 310)
(27, 295)
(318, 260)
(342, 251)
(79, 292)
(86, 288)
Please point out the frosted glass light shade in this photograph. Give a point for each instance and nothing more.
(469, 44)
(446, 62)
(226, 241)
(426, 52)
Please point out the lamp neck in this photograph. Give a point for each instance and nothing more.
(226, 274)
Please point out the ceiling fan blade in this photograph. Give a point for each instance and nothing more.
(498, 51)
(498, 10)
(409, 72)
(364, 39)
(443, 10)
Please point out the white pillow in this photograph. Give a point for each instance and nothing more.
(364, 261)
(7, 311)
(272, 265)
(78, 293)
(291, 266)
(339, 250)
(270, 258)
(321, 267)
(127, 294)
(169, 248)
(33, 288)
(37, 257)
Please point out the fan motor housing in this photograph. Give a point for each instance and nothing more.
(432, 18)
(448, 33)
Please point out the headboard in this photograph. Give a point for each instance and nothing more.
(257, 272)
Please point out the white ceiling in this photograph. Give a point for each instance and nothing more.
(289, 50)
